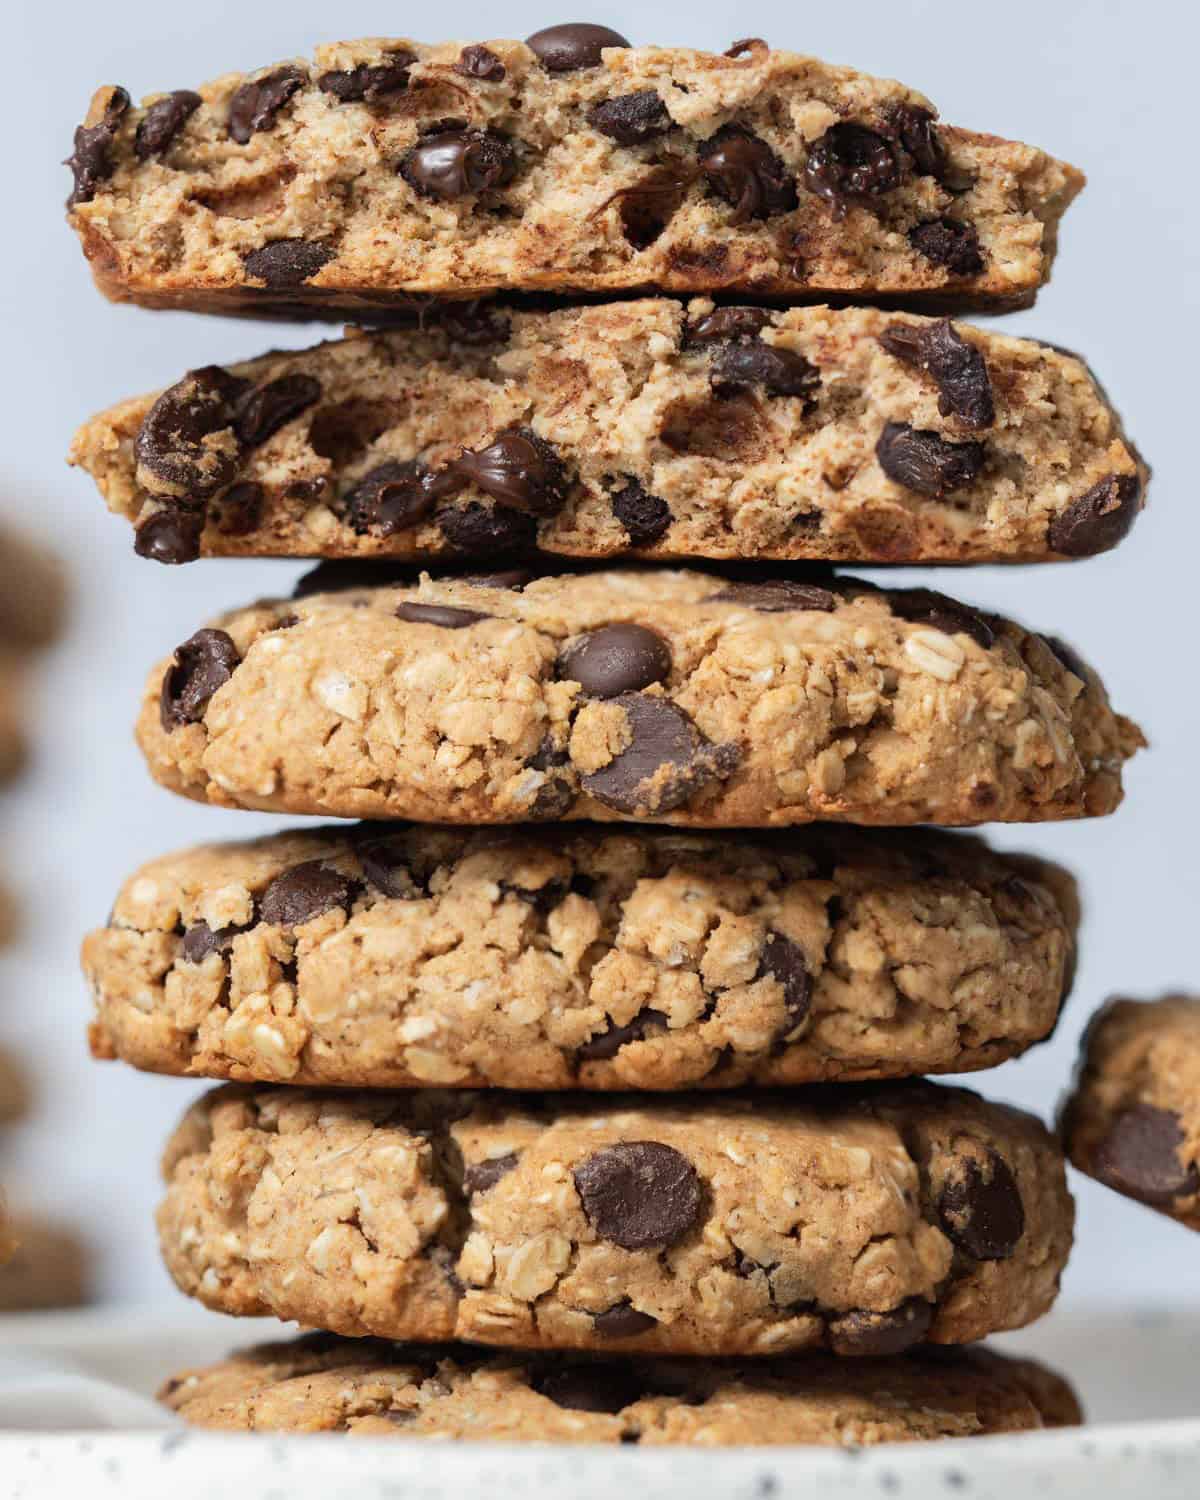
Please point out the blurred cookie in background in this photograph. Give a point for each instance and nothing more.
(12, 713)
(15, 1092)
(50, 1266)
(33, 591)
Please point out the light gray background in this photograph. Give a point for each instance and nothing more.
(1108, 86)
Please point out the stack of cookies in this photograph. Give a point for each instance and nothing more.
(576, 1093)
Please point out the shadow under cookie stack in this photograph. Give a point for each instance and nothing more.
(576, 1095)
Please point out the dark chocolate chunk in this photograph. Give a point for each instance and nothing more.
(957, 368)
(557, 792)
(622, 1321)
(589, 1387)
(784, 961)
(667, 762)
(390, 497)
(1140, 1157)
(199, 940)
(980, 1208)
(264, 410)
(918, 134)
(482, 1175)
(178, 439)
(239, 509)
(928, 607)
(368, 83)
(775, 595)
(485, 531)
(1097, 521)
(518, 468)
(481, 63)
(873, 1335)
(163, 121)
(283, 263)
(91, 161)
(386, 863)
(170, 536)
(304, 892)
(645, 517)
(640, 1194)
(443, 615)
(727, 323)
(851, 163)
(925, 462)
(451, 162)
(630, 119)
(950, 243)
(607, 1043)
(200, 666)
(781, 372)
(256, 105)
(617, 659)
(742, 169)
(573, 45)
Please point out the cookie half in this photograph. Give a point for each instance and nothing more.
(1133, 1120)
(578, 957)
(573, 162)
(862, 1220)
(372, 1388)
(669, 696)
(736, 432)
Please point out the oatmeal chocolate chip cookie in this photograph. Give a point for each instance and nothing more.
(1133, 1119)
(859, 1219)
(373, 1388)
(14, 1089)
(651, 694)
(511, 166)
(389, 956)
(731, 432)
(51, 1266)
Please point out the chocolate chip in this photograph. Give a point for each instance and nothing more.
(386, 864)
(925, 462)
(481, 63)
(389, 498)
(919, 136)
(639, 1194)
(667, 762)
(630, 119)
(91, 161)
(239, 509)
(179, 439)
(590, 1387)
(484, 531)
(727, 323)
(784, 961)
(742, 169)
(518, 468)
(263, 411)
(617, 659)
(957, 367)
(607, 1043)
(163, 121)
(170, 536)
(200, 940)
(647, 206)
(1140, 1157)
(775, 595)
(574, 45)
(482, 1175)
(872, 1335)
(980, 1206)
(645, 517)
(473, 323)
(442, 615)
(557, 792)
(304, 892)
(850, 162)
(782, 372)
(200, 666)
(1098, 520)
(928, 607)
(369, 82)
(256, 105)
(284, 263)
(336, 575)
(622, 1321)
(949, 243)
(449, 163)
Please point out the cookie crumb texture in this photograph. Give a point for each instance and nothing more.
(386, 168)
(861, 1220)
(1133, 1119)
(372, 1388)
(696, 701)
(644, 427)
(580, 958)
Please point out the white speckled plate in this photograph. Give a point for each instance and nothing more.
(1138, 1376)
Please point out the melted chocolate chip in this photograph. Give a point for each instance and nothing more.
(645, 517)
(200, 940)
(957, 368)
(918, 134)
(163, 121)
(573, 45)
(742, 169)
(449, 163)
(617, 659)
(256, 105)
(481, 63)
(646, 207)
(389, 498)
(368, 83)
(949, 243)
(925, 462)
(91, 161)
(445, 616)
(386, 864)
(239, 509)
(487, 531)
(630, 119)
(200, 666)
(784, 961)
(263, 411)
(928, 607)
(781, 372)
(872, 1335)
(980, 1208)
(1098, 520)
(727, 323)
(622, 1321)
(519, 469)
(170, 536)
(482, 1175)
(1140, 1157)
(304, 892)
(639, 1194)
(590, 1387)
(284, 263)
(775, 595)
(607, 1043)
(667, 762)
(177, 439)
(851, 163)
